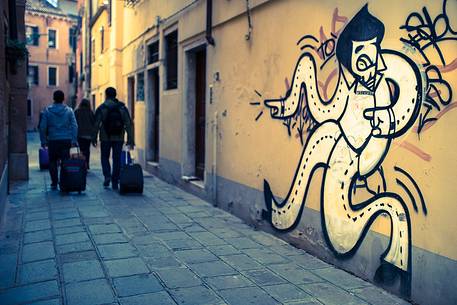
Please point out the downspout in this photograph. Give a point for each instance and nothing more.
(214, 165)
(89, 58)
(209, 22)
(12, 19)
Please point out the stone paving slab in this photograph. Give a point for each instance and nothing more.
(165, 247)
(38, 272)
(89, 293)
(137, 284)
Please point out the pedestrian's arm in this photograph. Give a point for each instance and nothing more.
(128, 125)
(43, 129)
(74, 128)
(97, 124)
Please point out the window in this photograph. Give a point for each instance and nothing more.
(54, 3)
(72, 38)
(52, 76)
(153, 52)
(32, 35)
(29, 108)
(52, 39)
(171, 49)
(33, 76)
(102, 40)
(81, 67)
(140, 87)
(71, 73)
(93, 50)
(110, 12)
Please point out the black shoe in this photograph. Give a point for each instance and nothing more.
(54, 187)
(106, 182)
(115, 186)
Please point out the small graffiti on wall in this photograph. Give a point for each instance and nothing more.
(428, 36)
(378, 95)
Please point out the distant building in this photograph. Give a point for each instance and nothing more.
(50, 28)
(83, 50)
(13, 93)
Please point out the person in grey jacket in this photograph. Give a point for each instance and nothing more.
(112, 120)
(58, 132)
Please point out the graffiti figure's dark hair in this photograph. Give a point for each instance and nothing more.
(58, 96)
(110, 92)
(363, 26)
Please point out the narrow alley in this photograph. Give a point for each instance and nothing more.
(165, 247)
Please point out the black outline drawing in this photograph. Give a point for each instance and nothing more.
(425, 35)
(377, 99)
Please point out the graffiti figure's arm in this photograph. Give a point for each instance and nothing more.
(305, 80)
(404, 77)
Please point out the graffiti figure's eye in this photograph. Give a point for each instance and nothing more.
(364, 62)
(358, 49)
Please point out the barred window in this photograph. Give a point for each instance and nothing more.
(171, 49)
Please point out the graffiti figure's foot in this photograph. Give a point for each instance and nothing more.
(266, 214)
(386, 274)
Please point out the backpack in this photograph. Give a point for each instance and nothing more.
(113, 122)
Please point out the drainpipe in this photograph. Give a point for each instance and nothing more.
(214, 165)
(209, 22)
(12, 19)
(89, 49)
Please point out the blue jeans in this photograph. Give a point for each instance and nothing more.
(105, 148)
(58, 150)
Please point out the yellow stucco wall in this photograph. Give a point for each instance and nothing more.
(251, 146)
(250, 150)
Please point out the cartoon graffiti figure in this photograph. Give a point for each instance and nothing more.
(377, 99)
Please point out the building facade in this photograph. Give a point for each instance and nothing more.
(328, 124)
(13, 93)
(51, 41)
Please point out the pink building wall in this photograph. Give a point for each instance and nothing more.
(43, 57)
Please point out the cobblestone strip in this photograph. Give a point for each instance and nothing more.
(165, 247)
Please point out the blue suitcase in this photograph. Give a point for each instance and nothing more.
(43, 158)
(126, 158)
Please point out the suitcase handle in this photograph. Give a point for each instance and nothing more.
(127, 150)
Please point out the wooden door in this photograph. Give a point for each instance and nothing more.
(155, 129)
(131, 99)
(200, 113)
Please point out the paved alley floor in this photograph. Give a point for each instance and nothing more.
(165, 247)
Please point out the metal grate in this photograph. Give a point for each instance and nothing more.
(130, 3)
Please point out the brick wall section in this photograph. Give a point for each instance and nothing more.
(3, 92)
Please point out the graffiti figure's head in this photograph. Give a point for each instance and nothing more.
(358, 46)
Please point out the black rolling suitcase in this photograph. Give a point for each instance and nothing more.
(131, 178)
(73, 174)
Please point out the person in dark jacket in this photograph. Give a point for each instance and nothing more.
(86, 119)
(112, 120)
(58, 131)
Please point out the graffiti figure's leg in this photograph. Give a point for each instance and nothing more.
(285, 215)
(346, 224)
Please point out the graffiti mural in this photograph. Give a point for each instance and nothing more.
(377, 98)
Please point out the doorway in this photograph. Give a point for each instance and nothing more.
(200, 112)
(131, 99)
(153, 115)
